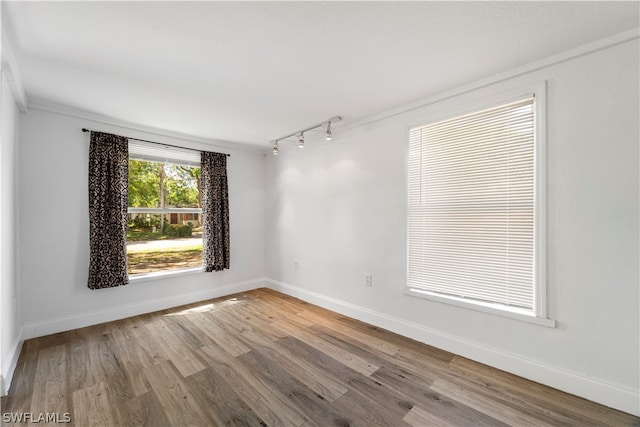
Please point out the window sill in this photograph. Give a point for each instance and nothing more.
(483, 307)
(146, 277)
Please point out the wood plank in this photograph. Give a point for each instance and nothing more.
(92, 406)
(556, 402)
(80, 375)
(271, 310)
(50, 395)
(175, 397)
(348, 359)
(185, 322)
(87, 354)
(492, 407)
(364, 413)
(180, 326)
(367, 389)
(356, 335)
(110, 364)
(406, 381)
(145, 410)
(338, 340)
(209, 326)
(147, 350)
(319, 381)
(132, 363)
(426, 364)
(418, 417)
(269, 405)
(407, 346)
(313, 405)
(246, 313)
(251, 331)
(223, 403)
(424, 368)
(183, 358)
(529, 404)
(444, 409)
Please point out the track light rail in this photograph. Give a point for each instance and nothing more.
(330, 120)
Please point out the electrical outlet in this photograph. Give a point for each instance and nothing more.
(368, 279)
(296, 266)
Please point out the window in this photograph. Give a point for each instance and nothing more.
(164, 227)
(473, 218)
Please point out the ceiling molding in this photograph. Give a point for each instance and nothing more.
(239, 89)
(568, 55)
(565, 56)
(347, 125)
(52, 107)
(12, 72)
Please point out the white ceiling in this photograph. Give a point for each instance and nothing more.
(253, 71)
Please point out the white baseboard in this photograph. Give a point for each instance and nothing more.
(10, 367)
(61, 324)
(612, 395)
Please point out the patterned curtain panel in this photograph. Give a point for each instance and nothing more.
(108, 176)
(215, 212)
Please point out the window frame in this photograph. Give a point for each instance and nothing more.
(167, 159)
(469, 104)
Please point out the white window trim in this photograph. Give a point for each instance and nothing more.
(485, 307)
(539, 315)
(165, 210)
(155, 275)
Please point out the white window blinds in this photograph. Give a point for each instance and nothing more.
(471, 206)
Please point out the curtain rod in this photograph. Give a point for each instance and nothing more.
(153, 142)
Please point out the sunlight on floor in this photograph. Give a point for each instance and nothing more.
(200, 309)
(204, 308)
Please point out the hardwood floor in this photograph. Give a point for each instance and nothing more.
(261, 358)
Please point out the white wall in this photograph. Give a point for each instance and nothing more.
(9, 322)
(339, 209)
(54, 240)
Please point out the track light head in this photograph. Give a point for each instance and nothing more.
(328, 136)
(300, 133)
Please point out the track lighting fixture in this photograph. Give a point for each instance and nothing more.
(300, 133)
